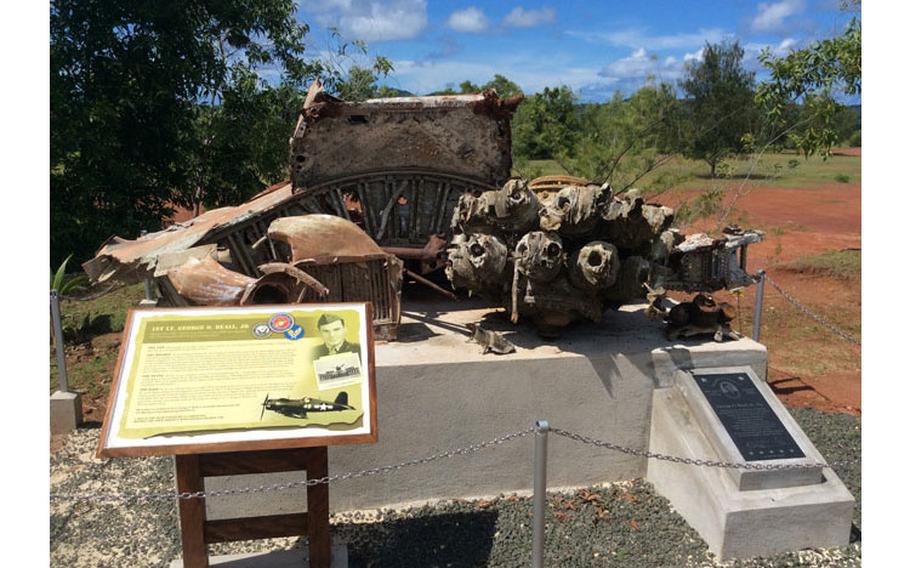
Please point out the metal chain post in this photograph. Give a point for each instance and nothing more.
(540, 492)
(759, 297)
(147, 282)
(62, 383)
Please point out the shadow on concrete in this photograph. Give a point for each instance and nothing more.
(452, 540)
(411, 332)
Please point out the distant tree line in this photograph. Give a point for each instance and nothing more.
(721, 112)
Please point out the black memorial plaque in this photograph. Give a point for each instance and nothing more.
(757, 432)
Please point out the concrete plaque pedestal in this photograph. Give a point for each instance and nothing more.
(814, 509)
(277, 559)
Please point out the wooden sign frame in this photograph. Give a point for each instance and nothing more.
(241, 445)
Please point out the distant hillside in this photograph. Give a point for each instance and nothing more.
(389, 92)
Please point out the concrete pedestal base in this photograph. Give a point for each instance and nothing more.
(733, 522)
(276, 559)
(436, 391)
(66, 412)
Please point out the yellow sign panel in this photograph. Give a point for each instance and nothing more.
(191, 376)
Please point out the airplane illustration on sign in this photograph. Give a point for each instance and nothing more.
(299, 407)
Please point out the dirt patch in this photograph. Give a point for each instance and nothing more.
(837, 392)
(846, 151)
(810, 366)
(90, 369)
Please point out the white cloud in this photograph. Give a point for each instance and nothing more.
(371, 20)
(521, 18)
(635, 38)
(752, 51)
(470, 20)
(639, 64)
(633, 70)
(697, 56)
(530, 73)
(786, 45)
(770, 17)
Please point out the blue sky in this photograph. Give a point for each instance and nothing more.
(595, 48)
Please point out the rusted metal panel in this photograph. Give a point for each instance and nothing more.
(316, 236)
(131, 261)
(467, 135)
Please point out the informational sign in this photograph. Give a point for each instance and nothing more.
(753, 426)
(209, 379)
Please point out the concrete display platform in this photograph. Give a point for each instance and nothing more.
(276, 559)
(436, 391)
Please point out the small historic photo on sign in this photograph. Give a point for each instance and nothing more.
(333, 371)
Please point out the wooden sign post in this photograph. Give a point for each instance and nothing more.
(251, 390)
(197, 532)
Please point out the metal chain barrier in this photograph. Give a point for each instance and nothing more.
(821, 320)
(142, 497)
(466, 450)
(689, 461)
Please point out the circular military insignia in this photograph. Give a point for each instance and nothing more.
(295, 332)
(729, 390)
(280, 323)
(261, 330)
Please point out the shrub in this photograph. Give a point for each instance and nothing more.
(843, 264)
(856, 139)
(66, 284)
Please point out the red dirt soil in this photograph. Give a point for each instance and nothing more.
(798, 223)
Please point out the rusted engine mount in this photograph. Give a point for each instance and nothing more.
(568, 253)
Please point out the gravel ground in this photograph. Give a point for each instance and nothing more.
(621, 524)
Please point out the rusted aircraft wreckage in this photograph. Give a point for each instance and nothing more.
(389, 187)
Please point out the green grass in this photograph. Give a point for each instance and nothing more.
(88, 365)
(788, 170)
(843, 264)
(111, 306)
(91, 377)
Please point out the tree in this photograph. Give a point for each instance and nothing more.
(720, 102)
(467, 87)
(812, 77)
(625, 139)
(546, 124)
(159, 104)
(502, 85)
(360, 83)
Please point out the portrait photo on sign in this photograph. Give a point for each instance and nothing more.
(201, 375)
